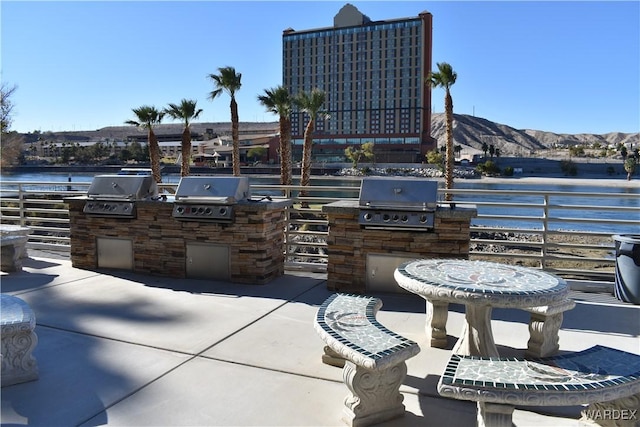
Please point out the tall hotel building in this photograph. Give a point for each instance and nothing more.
(373, 74)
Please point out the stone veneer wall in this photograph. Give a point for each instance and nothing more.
(348, 244)
(255, 239)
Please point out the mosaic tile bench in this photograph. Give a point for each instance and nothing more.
(18, 341)
(607, 379)
(372, 356)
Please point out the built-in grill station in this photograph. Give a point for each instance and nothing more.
(210, 229)
(393, 203)
(209, 198)
(395, 219)
(116, 195)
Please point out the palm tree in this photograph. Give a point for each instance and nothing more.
(446, 77)
(278, 101)
(185, 111)
(310, 103)
(147, 117)
(229, 81)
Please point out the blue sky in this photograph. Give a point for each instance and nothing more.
(564, 67)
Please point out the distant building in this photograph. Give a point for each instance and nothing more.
(373, 74)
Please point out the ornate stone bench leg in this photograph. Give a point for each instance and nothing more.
(494, 415)
(375, 395)
(544, 327)
(12, 250)
(615, 413)
(18, 342)
(332, 358)
(436, 326)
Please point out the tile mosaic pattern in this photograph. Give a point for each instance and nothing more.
(348, 325)
(595, 371)
(16, 313)
(474, 276)
(456, 280)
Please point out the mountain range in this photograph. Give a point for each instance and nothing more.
(469, 131)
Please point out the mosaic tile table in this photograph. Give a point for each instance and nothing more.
(606, 378)
(480, 286)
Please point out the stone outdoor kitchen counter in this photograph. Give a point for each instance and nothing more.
(249, 249)
(364, 259)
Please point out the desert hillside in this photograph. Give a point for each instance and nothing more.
(469, 131)
(474, 131)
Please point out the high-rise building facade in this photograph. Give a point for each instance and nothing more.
(373, 74)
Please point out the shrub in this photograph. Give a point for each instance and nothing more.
(569, 168)
(488, 168)
(508, 171)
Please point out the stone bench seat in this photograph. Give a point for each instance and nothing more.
(373, 357)
(607, 379)
(18, 341)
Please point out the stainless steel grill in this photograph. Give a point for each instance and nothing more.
(394, 202)
(115, 195)
(209, 198)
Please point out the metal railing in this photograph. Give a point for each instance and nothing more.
(563, 232)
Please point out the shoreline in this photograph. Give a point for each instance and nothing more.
(597, 180)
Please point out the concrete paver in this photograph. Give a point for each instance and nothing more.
(117, 348)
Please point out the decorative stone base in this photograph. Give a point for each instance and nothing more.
(7, 230)
(436, 326)
(544, 326)
(494, 415)
(13, 248)
(18, 341)
(375, 395)
(332, 358)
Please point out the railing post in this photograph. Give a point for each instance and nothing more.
(287, 223)
(23, 216)
(545, 228)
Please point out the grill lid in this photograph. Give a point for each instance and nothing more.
(213, 189)
(398, 193)
(122, 187)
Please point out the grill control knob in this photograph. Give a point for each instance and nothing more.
(223, 211)
(386, 217)
(180, 209)
(404, 218)
(368, 216)
(423, 219)
(395, 217)
(208, 211)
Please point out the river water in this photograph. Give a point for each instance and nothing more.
(566, 185)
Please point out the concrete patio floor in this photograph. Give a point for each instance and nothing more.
(118, 348)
